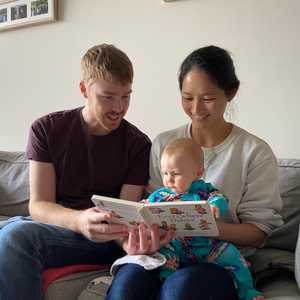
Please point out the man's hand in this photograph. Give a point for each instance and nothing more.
(93, 224)
(146, 241)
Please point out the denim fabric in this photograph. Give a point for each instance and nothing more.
(13, 219)
(134, 282)
(28, 247)
(204, 281)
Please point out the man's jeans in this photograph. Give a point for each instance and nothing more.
(28, 247)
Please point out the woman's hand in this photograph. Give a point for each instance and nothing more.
(142, 240)
(215, 211)
(93, 224)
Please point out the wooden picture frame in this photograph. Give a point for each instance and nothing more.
(19, 13)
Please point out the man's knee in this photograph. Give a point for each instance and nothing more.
(19, 234)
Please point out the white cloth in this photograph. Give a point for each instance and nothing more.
(149, 262)
(243, 167)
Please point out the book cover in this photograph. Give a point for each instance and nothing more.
(186, 218)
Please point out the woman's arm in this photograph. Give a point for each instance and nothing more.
(244, 235)
(258, 209)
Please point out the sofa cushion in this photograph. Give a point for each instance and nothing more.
(52, 274)
(272, 260)
(3, 218)
(281, 287)
(69, 287)
(273, 266)
(285, 237)
(14, 184)
(96, 289)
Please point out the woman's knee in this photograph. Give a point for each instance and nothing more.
(134, 282)
(199, 282)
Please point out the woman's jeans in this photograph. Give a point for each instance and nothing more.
(198, 282)
(28, 247)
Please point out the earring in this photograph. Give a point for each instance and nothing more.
(229, 113)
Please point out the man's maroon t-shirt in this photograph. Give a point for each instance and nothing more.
(87, 164)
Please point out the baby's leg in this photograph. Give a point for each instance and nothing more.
(172, 254)
(229, 257)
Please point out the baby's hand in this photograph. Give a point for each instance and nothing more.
(215, 211)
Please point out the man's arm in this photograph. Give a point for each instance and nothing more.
(131, 192)
(42, 204)
(43, 208)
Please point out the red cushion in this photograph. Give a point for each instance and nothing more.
(52, 274)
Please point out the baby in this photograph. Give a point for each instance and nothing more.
(182, 165)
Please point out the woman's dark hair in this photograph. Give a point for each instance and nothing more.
(216, 62)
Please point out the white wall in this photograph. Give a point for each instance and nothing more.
(39, 66)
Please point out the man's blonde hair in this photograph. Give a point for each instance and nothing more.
(185, 148)
(106, 62)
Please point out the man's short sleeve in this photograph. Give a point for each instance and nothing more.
(138, 164)
(37, 145)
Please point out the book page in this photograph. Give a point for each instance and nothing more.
(125, 212)
(187, 218)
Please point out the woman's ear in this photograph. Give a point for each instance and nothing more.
(82, 87)
(231, 94)
(200, 173)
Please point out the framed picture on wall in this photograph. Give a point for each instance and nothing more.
(20, 13)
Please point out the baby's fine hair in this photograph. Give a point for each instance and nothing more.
(106, 62)
(185, 148)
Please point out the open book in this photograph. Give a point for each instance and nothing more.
(186, 218)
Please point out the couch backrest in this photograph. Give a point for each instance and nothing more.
(14, 185)
(285, 237)
(14, 195)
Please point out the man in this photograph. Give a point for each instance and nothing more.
(74, 154)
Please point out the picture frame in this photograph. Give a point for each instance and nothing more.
(19, 13)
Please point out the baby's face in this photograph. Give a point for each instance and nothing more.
(179, 172)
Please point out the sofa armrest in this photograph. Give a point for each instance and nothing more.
(14, 183)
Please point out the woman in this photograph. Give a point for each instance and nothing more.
(239, 164)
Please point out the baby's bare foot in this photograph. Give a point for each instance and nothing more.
(260, 297)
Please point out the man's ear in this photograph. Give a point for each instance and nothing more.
(82, 87)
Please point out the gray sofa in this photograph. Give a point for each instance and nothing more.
(273, 265)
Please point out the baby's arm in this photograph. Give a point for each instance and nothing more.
(158, 195)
